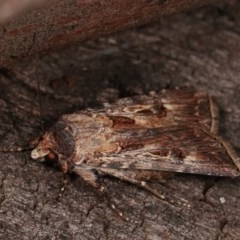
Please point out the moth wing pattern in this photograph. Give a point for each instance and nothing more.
(175, 149)
(171, 131)
(174, 131)
(168, 108)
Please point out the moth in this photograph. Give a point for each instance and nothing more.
(140, 138)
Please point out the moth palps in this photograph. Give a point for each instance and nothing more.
(141, 137)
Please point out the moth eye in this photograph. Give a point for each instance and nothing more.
(52, 156)
(40, 138)
(34, 142)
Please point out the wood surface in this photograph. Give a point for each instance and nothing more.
(59, 23)
(200, 49)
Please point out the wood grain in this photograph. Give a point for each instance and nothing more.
(199, 49)
(60, 23)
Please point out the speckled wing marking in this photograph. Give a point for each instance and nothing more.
(174, 149)
(168, 108)
(174, 130)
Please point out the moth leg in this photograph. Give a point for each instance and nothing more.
(87, 175)
(90, 177)
(124, 176)
(63, 185)
(147, 175)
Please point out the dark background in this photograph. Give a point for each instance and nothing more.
(200, 49)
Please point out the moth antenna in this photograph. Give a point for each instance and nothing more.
(103, 192)
(17, 149)
(144, 185)
(39, 98)
(180, 202)
(35, 142)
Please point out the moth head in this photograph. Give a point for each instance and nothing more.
(45, 148)
(56, 145)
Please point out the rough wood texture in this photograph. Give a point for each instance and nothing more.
(59, 23)
(200, 49)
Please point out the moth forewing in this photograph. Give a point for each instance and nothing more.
(175, 130)
(167, 108)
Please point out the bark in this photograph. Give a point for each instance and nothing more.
(58, 23)
(199, 49)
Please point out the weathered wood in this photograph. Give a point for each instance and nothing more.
(199, 49)
(63, 22)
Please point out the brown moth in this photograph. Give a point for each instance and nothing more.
(140, 138)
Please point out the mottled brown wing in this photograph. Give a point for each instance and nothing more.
(166, 108)
(169, 131)
(173, 149)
